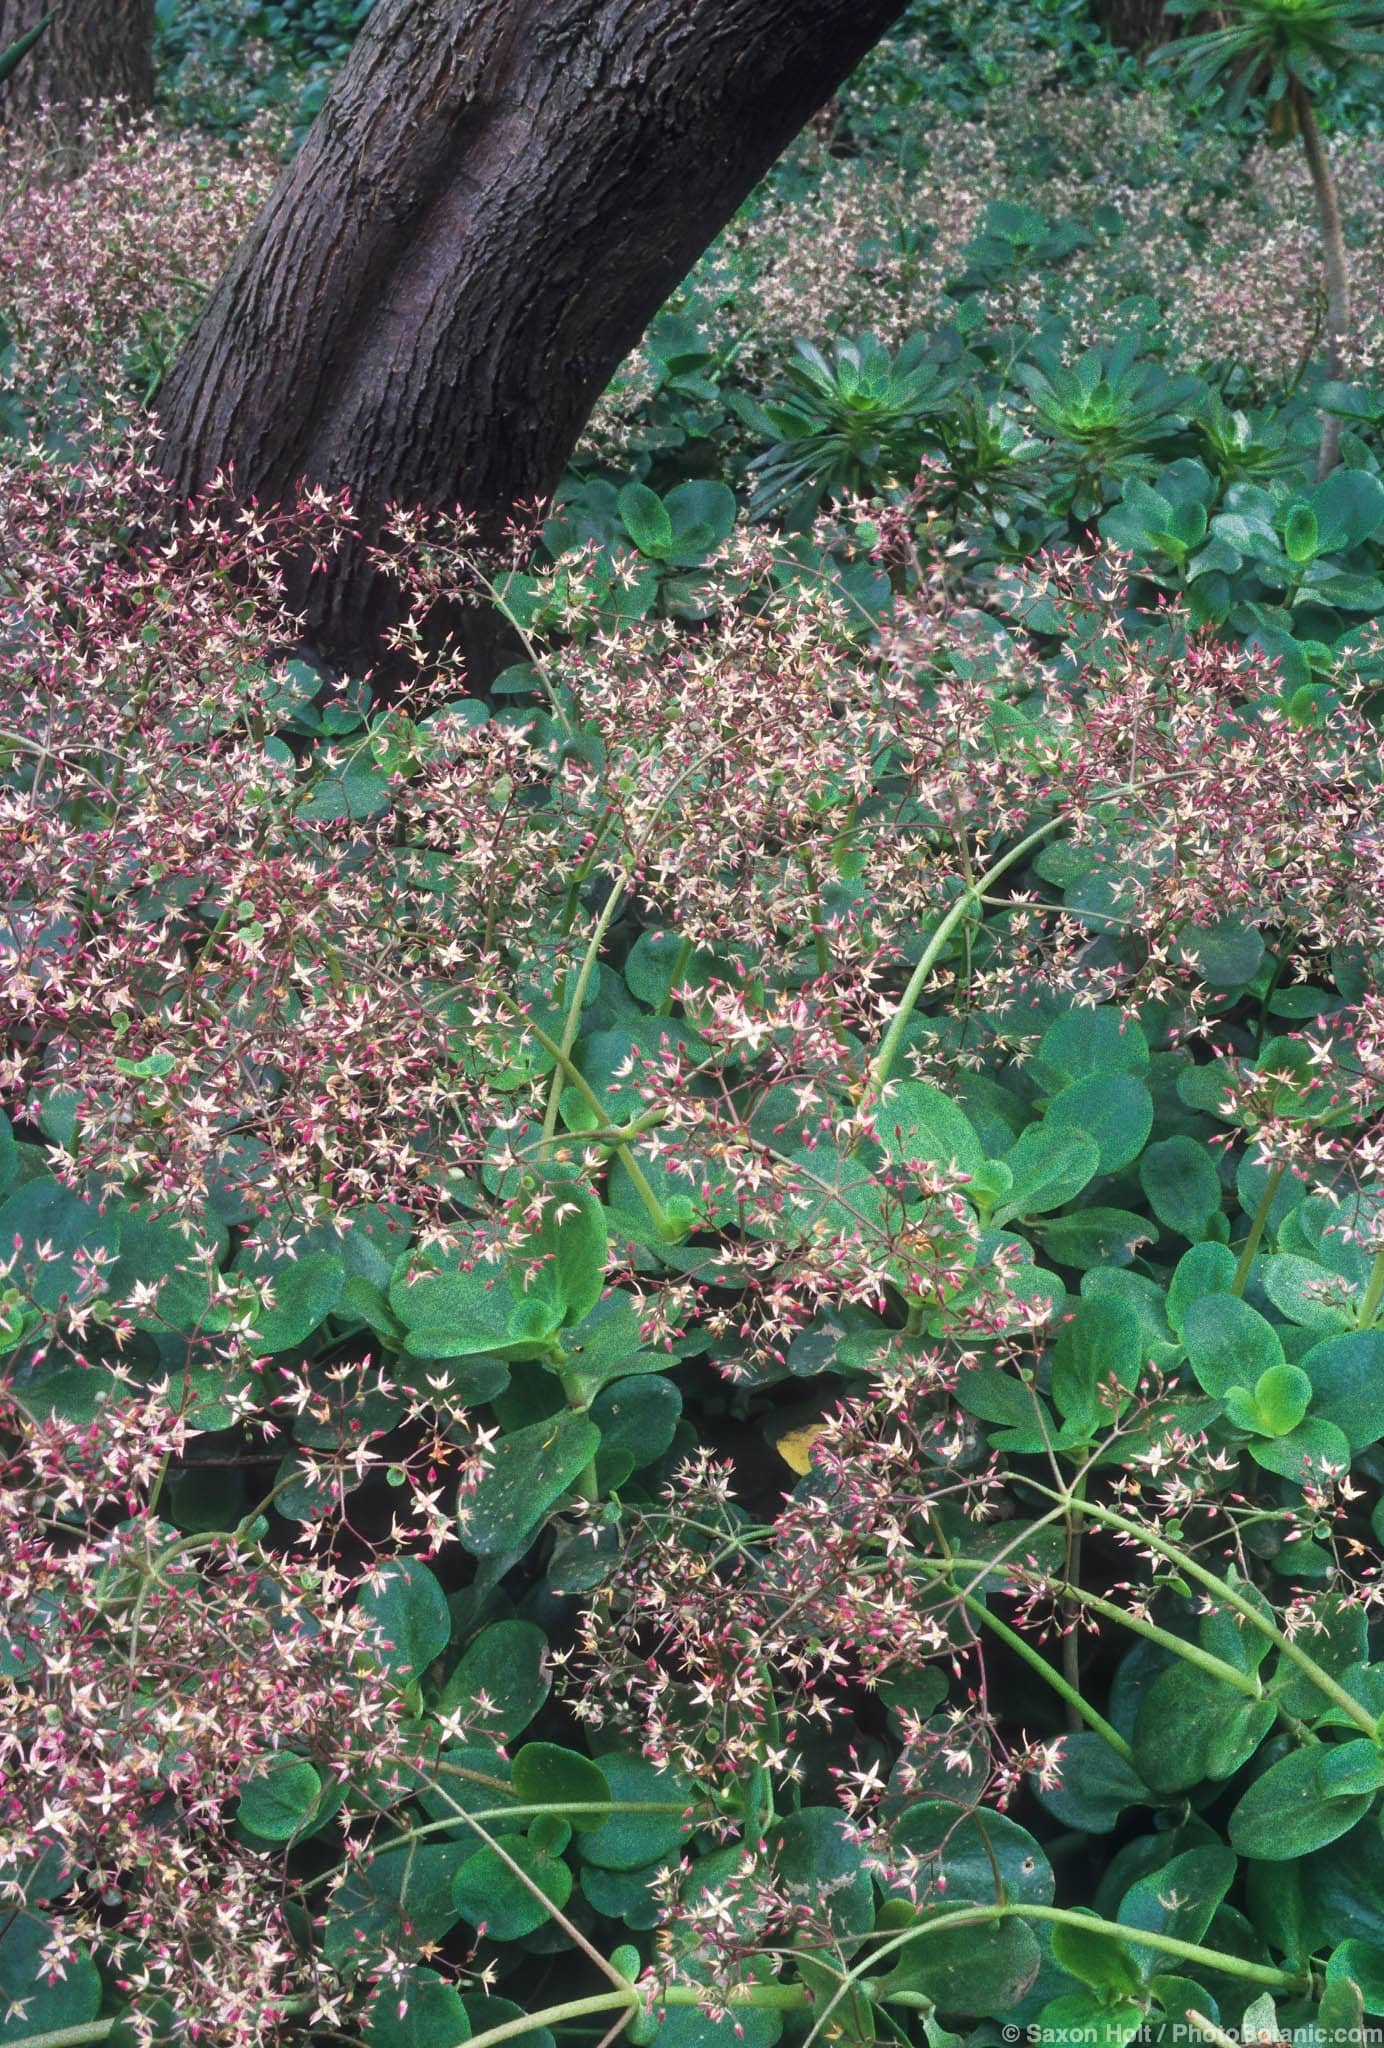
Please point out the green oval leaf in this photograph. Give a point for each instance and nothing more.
(501, 1681)
(529, 1470)
(974, 1854)
(1114, 1110)
(410, 1615)
(305, 1292)
(1347, 1375)
(1289, 1811)
(1182, 1186)
(283, 1800)
(921, 1126)
(1229, 1343)
(1051, 1165)
(489, 1894)
(547, 1775)
(417, 2009)
(631, 1840)
(646, 521)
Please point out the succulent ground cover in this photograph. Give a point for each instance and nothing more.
(696, 1354)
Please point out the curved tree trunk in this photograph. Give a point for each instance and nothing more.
(91, 50)
(495, 200)
(1337, 264)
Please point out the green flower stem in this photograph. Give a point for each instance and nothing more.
(821, 951)
(626, 1134)
(1256, 1230)
(552, 2015)
(1209, 2028)
(685, 952)
(1282, 960)
(571, 1024)
(1191, 1653)
(1071, 1572)
(1227, 1595)
(764, 1997)
(1369, 1307)
(1055, 1916)
(526, 640)
(1166, 1944)
(882, 1066)
(797, 1997)
(1024, 1649)
(594, 1103)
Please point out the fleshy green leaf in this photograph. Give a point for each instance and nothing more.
(646, 521)
(1115, 1110)
(488, 1893)
(419, 2009)
(528, 1471)
(981, 1969)
(1095, 1041)
(393, 1904)
(815, 1858)
(1096, 1958)
(42, 1211)
(409, 1611)
(1360, 1965)
(564, 1256)
(281, 1800)
(501, 1680)
(1347, 1375)
(1101, 1341)
(547, 1775)
(976, 1854)
(1192, 1726)
(1181, 1185)
(32, 2002)
(630, 1841)
(1178, 1899)
(1095, 1237)
(921, 1126)
(1229, 1343)
(1205, 1269)
(1095, 1786)
(1051, 1165)
(305, 1291)
(1290, 1810)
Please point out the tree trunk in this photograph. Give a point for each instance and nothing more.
(1134, 24)
(1337, 263)
(91, 50)
(492, 205)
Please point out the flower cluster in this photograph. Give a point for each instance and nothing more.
(147, 1677)
(102, 272)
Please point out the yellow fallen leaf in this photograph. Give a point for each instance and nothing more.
(795, 1448)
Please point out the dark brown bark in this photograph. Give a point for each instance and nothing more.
(1134, 24)
(91, 50)
(493, 203)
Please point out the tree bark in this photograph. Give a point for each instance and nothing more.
(1337, 263)
(1134, 24)
(91, 50)
(493, 203)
